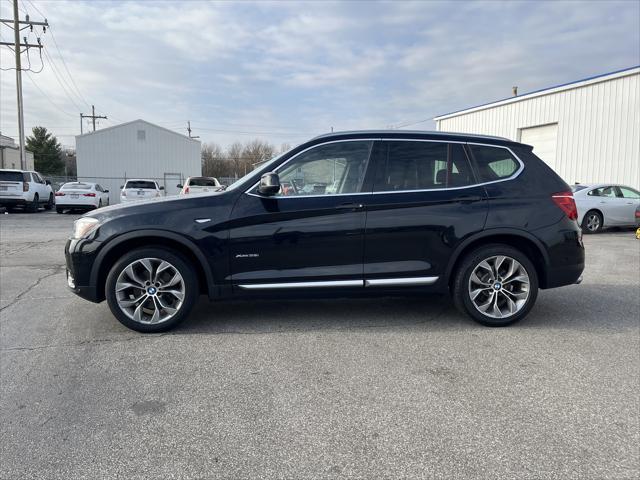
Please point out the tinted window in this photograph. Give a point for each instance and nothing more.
(326, 170)
(36, 177)
(494, 163)
(140, 184)
(629, 192)
(76, 186)
(423, 166)
(12, 177)
(202, 182)
(603, 192)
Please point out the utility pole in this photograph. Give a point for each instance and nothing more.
(93, 117)
(17, 47)
(189, 129)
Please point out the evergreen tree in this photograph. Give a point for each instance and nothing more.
(47, 152)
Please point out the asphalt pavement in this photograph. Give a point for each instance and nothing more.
(367, 388)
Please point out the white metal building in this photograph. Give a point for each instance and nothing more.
(587, 131)
(10, 154)
(136, 149)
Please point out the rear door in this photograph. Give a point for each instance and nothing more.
(628, 199)
(424, 202)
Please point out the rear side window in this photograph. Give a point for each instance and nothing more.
(13, 177)
(603, 192)
(417, 165)
(202, 182)
(140, 184)
(494, 163)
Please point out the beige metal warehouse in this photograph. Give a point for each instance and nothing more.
(587, 131)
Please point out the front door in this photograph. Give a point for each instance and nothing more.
(423, 203)
(309, 235)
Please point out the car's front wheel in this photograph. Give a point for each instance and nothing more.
(496, 285)
(151, 289)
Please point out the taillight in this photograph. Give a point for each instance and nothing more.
(186, 190)
(89, 194)
(567, 204)
(25, 187)
(59, 194)
(638, 213)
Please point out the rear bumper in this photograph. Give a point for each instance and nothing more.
(78, 206)
(13, 202)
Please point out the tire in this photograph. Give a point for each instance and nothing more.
(59, 210)
(522, 294)
(99, 203)
(140, 315)
(592, 222)
(34, 205)
(49, 205)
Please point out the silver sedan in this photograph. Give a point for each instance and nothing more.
(606, 205)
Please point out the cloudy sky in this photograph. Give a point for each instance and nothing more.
(286, 71)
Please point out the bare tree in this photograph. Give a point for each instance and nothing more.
(214, 162)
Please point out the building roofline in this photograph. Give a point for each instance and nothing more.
(603, 77)
(135, 121)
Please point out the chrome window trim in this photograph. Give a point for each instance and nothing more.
(512, 177)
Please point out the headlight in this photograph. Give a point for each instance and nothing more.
(83, 226)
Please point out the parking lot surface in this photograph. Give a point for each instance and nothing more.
(368, 388)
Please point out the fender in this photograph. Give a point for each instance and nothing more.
(515, 232)
(211, 290)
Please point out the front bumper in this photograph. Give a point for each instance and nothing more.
(79, 258)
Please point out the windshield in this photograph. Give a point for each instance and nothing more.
(264, 167)
(76, 186)
(203, 182)
(140, 184)
(11, 177)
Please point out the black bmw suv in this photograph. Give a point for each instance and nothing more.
(353, 213)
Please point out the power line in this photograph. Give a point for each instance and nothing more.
(47, 96)
(60, 82)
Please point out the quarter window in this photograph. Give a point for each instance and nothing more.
(423, 166)
(494, 163)
(335, 168)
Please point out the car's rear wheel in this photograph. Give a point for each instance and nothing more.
(49, 205)
(151, 289)
(496, 285)
(34, 205)
(59, 210)
(592, 222)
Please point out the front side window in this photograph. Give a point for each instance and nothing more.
(331, 169)
(414, 165)
(629, 192)
(494, 163)
(609, 192)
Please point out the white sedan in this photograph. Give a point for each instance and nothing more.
(605, 205)
(138, 189)
(81, 196)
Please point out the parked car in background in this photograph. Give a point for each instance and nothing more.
(200, 185)
(27, 189)
(605, 205)
(481, 218)
(140, 189)
(81, 196)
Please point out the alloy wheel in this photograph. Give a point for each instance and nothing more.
(593, 222)
(150, 290)
(499, 286)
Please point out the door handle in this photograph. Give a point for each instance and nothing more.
(467, 198)
(350, 206)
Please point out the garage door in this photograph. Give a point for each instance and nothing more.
(544, 140)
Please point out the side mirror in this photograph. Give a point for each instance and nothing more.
(121, 187)
(161, 188)
(269, 184)
(106, 191)
(48, 182)
(179, 185)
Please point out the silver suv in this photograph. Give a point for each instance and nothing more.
(20, 188)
